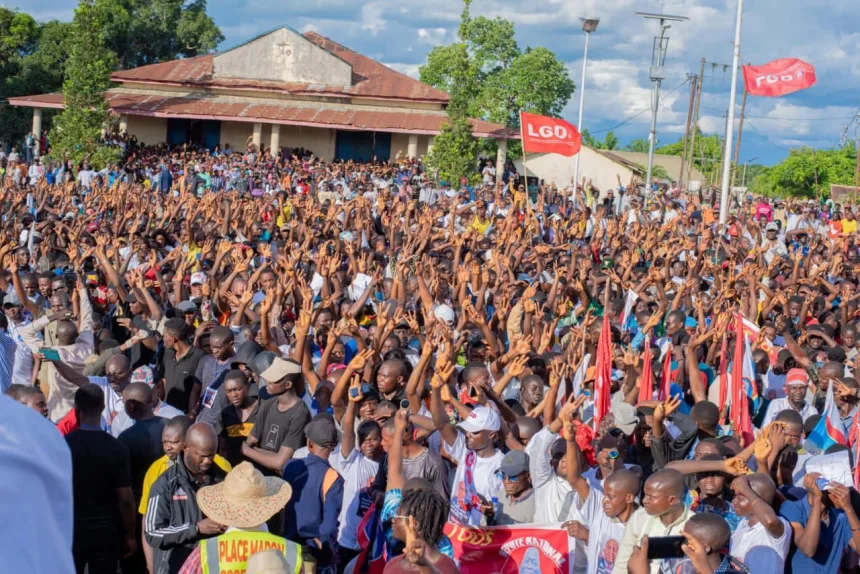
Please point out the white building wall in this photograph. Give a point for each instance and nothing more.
(284, 56)
(321, 141)
(148, 130)
(557, 169)
(236, 134)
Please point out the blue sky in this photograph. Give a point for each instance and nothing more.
(400, 33)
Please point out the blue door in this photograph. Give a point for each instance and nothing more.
(363, 146)
(178, 131)
(211, 133)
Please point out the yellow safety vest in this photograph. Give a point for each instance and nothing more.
(229, 553)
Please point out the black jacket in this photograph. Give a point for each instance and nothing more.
(172, 515)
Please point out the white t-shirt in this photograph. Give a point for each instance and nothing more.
(487, 478)
(22, 370)
(358, 473)
(113, 402)
(551, 490)
(604, 537)
(776, 406)
(757, 549)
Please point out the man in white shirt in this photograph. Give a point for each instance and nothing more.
(478, 477)
(663, 513)
(762, 539)
(604, 514)
(796, 385)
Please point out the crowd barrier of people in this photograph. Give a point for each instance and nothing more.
(238, 361)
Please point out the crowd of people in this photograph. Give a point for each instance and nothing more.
(239, 360)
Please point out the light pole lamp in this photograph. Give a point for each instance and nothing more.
(657, 75)
(589, 25)
(744, 179)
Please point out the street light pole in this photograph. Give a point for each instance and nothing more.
(589, 25)
(657, 75)
(730, 130)
(744, 179)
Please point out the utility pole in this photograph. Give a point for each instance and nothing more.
(657, 75)
(696, 127)
(693, 89)
(857, 169)
(724, 198)
(740, 133)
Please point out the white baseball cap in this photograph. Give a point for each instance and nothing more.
(198, 278)
(481, 419)
(445, 314)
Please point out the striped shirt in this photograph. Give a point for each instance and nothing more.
(7, 361)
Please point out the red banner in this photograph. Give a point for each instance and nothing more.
(549, 135)
(512, 549)
(779, 78)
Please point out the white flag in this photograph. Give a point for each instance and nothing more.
(632, 296)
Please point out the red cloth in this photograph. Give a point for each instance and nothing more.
(724, 377)
(69, 423)
(646, 382)
(778, 78)
(549, 135)
(603, 374)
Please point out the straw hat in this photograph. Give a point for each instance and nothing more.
(245, 499)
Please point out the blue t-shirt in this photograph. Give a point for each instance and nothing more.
(832, 541)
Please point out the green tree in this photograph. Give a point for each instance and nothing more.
(807, 173)
(500, 79)
(77, 130)
(33, 61)
(142, 32)
(455, 149)
(707, 155)
(610, 142)
(638, 145)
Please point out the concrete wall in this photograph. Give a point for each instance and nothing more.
(553, 168)
(321, 141)
(286, 56)
(236, 134)
(399, 143)
(148, 130)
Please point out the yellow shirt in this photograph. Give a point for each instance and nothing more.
(849, 226)
(157, 469)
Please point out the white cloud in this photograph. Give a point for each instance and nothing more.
(410, 70)
(372, 18)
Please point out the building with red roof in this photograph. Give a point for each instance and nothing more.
(281, 89)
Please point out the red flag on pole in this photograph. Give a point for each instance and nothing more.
(646, 382)
(724, 379)
(549, 135)
(779, 78)
(603, 375)
(740, 405)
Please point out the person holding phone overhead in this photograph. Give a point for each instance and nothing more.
(73, 349)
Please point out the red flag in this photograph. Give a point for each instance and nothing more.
(646, 382)
(666, 378)
(549, 135)
(740, 406)
(854, 429)
(603, 374)
(724, 378)
(779, 78)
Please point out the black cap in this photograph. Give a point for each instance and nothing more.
(322, 432)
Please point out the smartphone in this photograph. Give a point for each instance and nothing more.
(665, 547)
(365, 388)
(51, 355)
(353, 393)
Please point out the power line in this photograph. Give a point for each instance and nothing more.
(833, 119)
(767, 138)
(636, 115)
